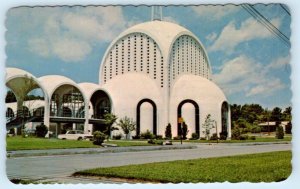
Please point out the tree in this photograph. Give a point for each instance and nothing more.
(185, 131)
(109, 120)
(207, 126)
(279, 132)
(276, 115)
(168, 132)
(127, 125)
(287, 114)
(288, 128)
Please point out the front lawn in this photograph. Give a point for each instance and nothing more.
(264, 167)
(33, 143)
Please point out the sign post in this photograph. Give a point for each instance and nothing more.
(180, 120)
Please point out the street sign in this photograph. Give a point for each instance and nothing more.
(180, 120)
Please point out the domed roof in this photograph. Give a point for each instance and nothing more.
(51, 82)
(90, 88)
(164, 33)
(196, 87)
(16, 72)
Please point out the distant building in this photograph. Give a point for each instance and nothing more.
(154, 73)
(271, 126)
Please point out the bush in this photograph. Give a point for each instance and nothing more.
(214, 137)
(236, 133)
(223, 135)
(256, 130)
(151, 141)
(202, 138)
(244, 130)
(136, 137)
(147, 135)
(168, 132)
(177, 138)
(288, 128)
(99, 137)
(279, 132)
(117, 137)
(158, 137)
(195, 136)
(253, 138)
(244, 137)
(41, 130)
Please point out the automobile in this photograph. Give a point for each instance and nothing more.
(75, 135)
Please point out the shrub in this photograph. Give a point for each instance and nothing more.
(195, 136)
(236, 133)
(168, 132)
(288, 128)
(117, 137)
(158, 137)
(41, 130)
(152, 141)
(147, 135)
(223, 135)
(99, 137)
(177, 138)
(202, 138)
(244, 137)
(136, 137)
(279, 132)
(244, 130)
(214, 137)
(255, 130)
(253, 138)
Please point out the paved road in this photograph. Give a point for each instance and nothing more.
(62, 166)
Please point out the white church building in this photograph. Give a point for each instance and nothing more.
(154, 72)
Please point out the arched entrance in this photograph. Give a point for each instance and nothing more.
(197, 114)
(138, 116)
(224, 114)
(101, 104)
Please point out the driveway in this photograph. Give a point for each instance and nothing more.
(60, 167)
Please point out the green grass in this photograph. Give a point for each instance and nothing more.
(32, 143)
(264, 167)
(258, 139)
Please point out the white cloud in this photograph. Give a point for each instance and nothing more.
(231, 35)
(212, 12)
(70, 34)
(211, 37)
(280, 62)
(244, 75)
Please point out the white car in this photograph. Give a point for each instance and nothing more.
(75, 135)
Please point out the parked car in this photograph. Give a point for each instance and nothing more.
(75, 135)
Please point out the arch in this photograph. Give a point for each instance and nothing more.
(138, 116)
(197, 114)
(39, 112)
(9, 113)
(224, 117)
(101, 103)
(66, 96)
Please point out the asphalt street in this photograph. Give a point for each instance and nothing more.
(60, 167)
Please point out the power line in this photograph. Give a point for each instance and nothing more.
(265, 22)
(288, 12)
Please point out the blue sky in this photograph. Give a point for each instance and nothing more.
(249, 63)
